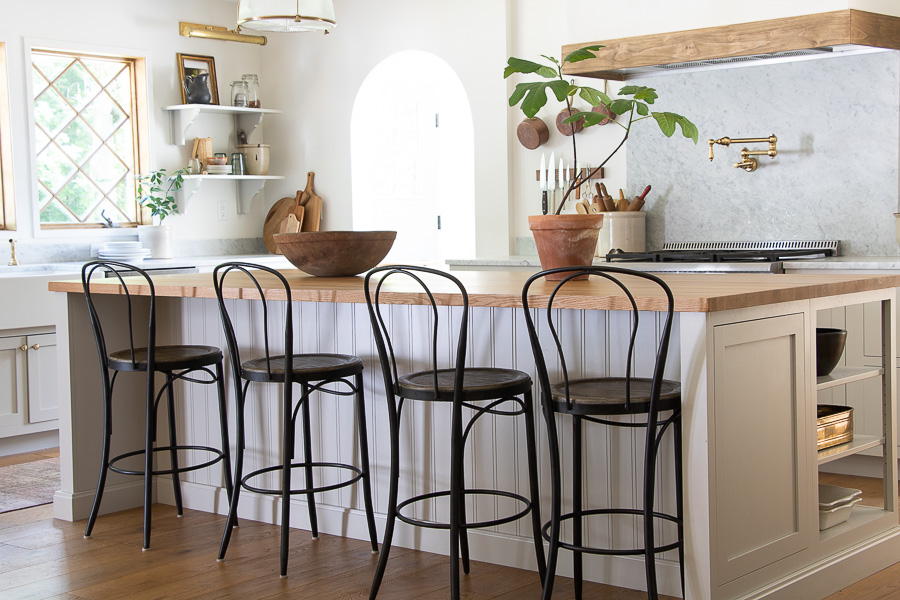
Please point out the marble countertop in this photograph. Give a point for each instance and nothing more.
(201, 262)
(836, 263)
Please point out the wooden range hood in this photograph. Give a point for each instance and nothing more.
(822, 34)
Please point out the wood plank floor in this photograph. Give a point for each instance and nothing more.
(45, 558)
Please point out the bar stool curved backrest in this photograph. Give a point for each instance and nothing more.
(312, 372)
(595, 399)
(462, 387)
(176, 362)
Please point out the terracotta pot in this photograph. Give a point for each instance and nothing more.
(565, 240)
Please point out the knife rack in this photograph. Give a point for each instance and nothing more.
(571, 174)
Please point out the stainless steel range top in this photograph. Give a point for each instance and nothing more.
(725, 257)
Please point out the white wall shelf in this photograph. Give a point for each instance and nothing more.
(248, 186)
(183, 116)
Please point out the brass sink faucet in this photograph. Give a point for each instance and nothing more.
(747, 163)
(12, 253)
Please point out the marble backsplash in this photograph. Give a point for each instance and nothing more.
(836, 173)
(31, 252)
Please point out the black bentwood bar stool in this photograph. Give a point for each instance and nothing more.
(482, 391)
(595, 399)
(176, 363)
(312, 372)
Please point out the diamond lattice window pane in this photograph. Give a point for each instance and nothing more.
(40, 140)
(111, 213)
(103, 70)
(120, 90)
(122, 143)
(123, 197)
(54, 168)
(80, 196)
(52, 113)
(78, 141)
(54, 213)
(77, 86)
(103, 115)
(50, 66)
(105, 169)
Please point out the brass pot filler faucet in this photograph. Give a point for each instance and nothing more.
(747, 163)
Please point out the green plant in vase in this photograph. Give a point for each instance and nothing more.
(156, 191)
(633, 102)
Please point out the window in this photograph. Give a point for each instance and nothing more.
(7, 200)
(88, 117)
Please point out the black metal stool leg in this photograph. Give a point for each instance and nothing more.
(577, 525)
(649, 496)
(150, 432)
(461, 513)
(308, 459)
(287, 457)
(555, 503)
(173, 442)
(104, 463)
(394, 420)
(456, 455)
(679, 495)
(223, 425)
(531, 450)
(364, 460)
(231, 522)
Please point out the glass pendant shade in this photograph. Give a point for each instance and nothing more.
(286, 15)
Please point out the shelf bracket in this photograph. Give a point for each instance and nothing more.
(189, 187)
(181, 121)
(248, 123)
(246, 192)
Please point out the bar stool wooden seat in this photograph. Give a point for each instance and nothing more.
(598, 400)
(176, 363)
(482, 391)
(312, 372)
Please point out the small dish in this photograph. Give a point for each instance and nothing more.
(216, 160)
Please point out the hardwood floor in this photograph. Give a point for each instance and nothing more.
(44, 558)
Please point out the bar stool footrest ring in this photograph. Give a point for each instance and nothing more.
(545, 532)
(325, 488)
(218, 455)
(467, 492)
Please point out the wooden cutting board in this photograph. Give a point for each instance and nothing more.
(273, 220)
(313, 214)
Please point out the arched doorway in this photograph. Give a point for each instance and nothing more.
(412, 158)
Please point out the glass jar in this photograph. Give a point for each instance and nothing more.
(239, 93)
(252, 82)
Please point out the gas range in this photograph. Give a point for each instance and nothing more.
(725, 257)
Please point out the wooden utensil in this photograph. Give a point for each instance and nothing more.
(313, 206)
(274, 218)
(290, 224)
(638, 201)
(582, 208)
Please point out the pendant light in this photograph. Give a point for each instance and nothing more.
(286, 15)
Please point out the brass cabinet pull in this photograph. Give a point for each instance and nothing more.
(23, 347)
(35, 346)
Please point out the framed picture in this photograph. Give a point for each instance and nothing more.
(194, 64)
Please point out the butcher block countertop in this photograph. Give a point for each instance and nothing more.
(693, 292)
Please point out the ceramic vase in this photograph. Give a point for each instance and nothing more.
(158, 238)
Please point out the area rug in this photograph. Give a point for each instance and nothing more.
(28, 484)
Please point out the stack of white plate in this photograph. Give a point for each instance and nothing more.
(218, 169)
(123, 251)
(835, 504)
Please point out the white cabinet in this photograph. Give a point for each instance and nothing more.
(28, 394)
(183, 119)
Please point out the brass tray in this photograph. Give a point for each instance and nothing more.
(834, 425)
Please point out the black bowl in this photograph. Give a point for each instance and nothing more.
(829, 347)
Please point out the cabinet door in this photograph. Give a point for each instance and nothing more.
(43, 399)
(12, 380)
(759, 447)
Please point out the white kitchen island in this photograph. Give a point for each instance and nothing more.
(745, 358)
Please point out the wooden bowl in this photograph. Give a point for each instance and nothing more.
(829, 348)
(335, 253)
